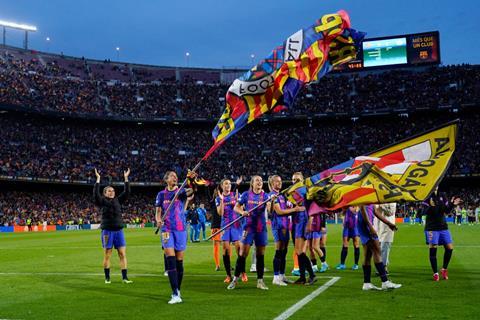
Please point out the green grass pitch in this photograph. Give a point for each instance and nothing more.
(59, 276)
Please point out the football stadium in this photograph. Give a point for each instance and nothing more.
(253, 160)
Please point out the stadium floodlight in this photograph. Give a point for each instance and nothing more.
(24, 27)
(187, 58)
(19, 26)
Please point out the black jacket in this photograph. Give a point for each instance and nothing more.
(111, 209)
(436, 214)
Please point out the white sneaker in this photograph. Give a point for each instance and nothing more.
(261, 285)
(285, 279)
(315, 268)
(369, 286)
(165, 273)
(107, 281)
(278, 281)
(233, 284)
(390, 285)
(175, 299)
(253, 268)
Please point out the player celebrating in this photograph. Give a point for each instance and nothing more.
(280, 228)
(313, 236)
(112, 224)
(371, 248)
(225, 203)
(254, 229)
(350, 231)
(436, 231)
(301, 221)
(174, 233)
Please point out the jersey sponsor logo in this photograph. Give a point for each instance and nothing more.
(230, 203)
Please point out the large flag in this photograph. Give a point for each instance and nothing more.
(406, 171)
(273, 84)
(297, 193)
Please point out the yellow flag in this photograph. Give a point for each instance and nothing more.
(409, 170)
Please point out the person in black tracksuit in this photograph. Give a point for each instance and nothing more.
(112, 224)
(436, 230)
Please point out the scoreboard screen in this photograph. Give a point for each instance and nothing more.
(418, 49)
(384, 52)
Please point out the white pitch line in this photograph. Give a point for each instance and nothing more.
(300, 304)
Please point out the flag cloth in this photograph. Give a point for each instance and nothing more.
(193, 180)
(274, 83)
(409, 170)
(296, 194)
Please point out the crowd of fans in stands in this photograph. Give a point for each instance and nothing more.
(26, 82)
(61, 208)
(69, 151)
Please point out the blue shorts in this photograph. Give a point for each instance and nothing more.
(112, 239)
(260, 238)
(365, 235)
(350, 233)
(300, 230)
(313, 235)
(281, 235)
(232, 234)
(438, 237)
(174, 239)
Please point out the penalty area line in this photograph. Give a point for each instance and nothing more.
(300, 304)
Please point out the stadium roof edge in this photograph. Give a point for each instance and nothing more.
(133, 64)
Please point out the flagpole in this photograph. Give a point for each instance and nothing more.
(178, 192)
(241, 217)
(249, 211)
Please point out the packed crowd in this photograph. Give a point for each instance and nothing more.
(69, 151)
(66, 150)
(49, 87)
(60, 208)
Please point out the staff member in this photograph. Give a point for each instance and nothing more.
(112, 224)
